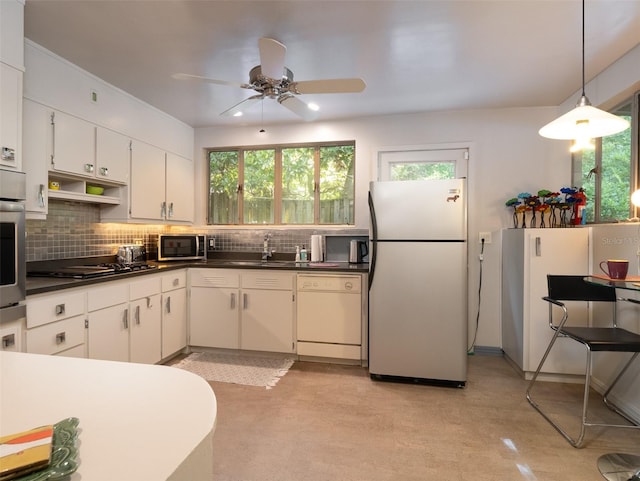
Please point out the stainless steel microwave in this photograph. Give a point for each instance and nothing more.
(181, 247)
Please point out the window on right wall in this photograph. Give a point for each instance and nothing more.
(610, 173)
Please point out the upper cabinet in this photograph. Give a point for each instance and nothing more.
(84, 149)
(12, 33)
(11, 76)
(10, 117)
(160, 188)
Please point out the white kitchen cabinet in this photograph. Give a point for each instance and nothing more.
(124, 320)
(55, 323)
(179, 194)
(37, 139)
(160, 188)
(12, 33)
(113, 152)
(214, 315)
(174, 312)
(145, 324)
(267, 309)
(10, 117)
(528, 255)
(108, 322)
(242, 309)
(74, 145)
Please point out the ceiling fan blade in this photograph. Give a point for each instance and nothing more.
(186, 76)
(272, 55)
(297, 106)
(242, 106)
(328, 86)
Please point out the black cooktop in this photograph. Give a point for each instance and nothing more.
(87, 272)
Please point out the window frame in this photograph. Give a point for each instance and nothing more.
(277, 188)
(634, 164)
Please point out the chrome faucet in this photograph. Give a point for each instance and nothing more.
(266, 253)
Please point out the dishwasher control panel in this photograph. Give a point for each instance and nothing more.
(332, 283)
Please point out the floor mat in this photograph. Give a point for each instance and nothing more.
(237, 368)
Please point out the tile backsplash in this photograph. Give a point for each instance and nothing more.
(73, 229)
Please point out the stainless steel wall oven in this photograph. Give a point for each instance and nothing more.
(12, 238)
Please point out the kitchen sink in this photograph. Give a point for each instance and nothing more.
(256, 263)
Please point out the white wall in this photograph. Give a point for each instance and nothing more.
(507, 157)
(53, 81)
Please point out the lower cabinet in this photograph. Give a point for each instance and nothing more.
(174, 313)
(242, 309)
(55, 324)
(108, 322)
(124, 321)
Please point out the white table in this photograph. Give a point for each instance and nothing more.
(138, 422)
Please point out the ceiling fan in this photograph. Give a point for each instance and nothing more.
(271, 79)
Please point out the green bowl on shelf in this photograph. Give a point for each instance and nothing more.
(95, 190)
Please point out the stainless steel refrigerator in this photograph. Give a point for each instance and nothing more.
(418, 281)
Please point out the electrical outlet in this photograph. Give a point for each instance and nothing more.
(486, 236)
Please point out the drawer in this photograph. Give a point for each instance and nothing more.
(107, 295)
(267, 280)
(11, 337)
(51, 308)
(175, 280)
(56, 336)
(214, 278)
(147, 287)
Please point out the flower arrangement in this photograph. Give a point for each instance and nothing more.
(549, 209)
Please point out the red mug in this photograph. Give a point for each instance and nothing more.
(615, 268)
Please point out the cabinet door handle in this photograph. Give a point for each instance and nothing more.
(88, 168)
(8, 341)
(233, 301)
(125, 319)
(245, 301)
(61, 338)
(163, 209)
(169, 305)
(538, 247)
(170, 209)
(53, 138)
(104, 171)
(60, 309)
(149, 303)
(41, 195)
(138, 315)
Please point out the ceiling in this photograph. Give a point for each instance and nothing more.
(423, 55)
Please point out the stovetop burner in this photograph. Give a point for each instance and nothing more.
(87, 272)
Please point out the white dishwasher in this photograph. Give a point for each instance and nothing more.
(329, 316)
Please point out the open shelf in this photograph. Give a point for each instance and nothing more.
(72, 188)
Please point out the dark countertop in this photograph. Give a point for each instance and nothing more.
(40, 285)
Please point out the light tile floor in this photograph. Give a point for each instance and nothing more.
(330, 422)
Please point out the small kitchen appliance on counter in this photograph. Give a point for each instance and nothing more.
(357, 251)
(131, 254)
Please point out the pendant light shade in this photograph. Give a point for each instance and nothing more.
(584, 122)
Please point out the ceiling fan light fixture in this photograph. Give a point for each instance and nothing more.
(584, 122)
(313, 106)
(238, 114)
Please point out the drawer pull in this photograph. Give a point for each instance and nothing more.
(176, 282)
(149, 303)
(60, 309)
(8, 341)
(61, 338)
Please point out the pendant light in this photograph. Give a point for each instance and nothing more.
(584, 122)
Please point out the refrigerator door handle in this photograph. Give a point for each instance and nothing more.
(374, 240)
